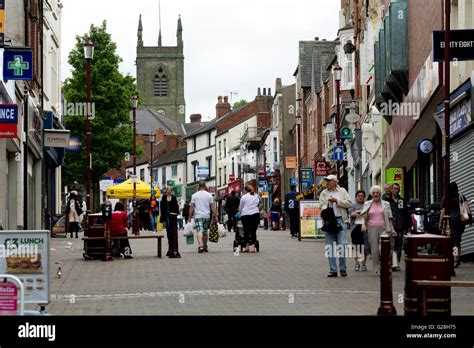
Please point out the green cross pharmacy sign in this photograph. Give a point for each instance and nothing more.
(17, 64)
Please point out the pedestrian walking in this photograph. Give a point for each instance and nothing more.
(204, 210)
(292, 209)
(232, 208)
(73, 213)
(359, 239)
(275, 211)
(180, 214)
(153, 213)
(186, 211)
(250, 216)
(458, 204)
(169, 204)
(401, 225)
(375, 219)
(118, 228)
(336, 198)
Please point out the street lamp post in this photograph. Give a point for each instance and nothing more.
(337, 71)
(88, 54)
(152, 141)
(134, 104)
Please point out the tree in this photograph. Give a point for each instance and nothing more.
(239, 103)
(112, 136)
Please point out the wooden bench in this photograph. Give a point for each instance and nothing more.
(425, 284)
(158, 237)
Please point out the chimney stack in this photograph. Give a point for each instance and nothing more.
(160, 135)
(222, 107)
(259, 91)
(278, 85)
(196, 118)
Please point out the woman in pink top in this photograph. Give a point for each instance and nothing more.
(375, 218)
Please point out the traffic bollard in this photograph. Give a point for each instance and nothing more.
(386, 294)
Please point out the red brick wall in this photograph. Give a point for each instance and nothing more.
(424, 16)
(264, 120)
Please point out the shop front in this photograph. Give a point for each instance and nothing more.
(462, 149)
(53, 158)
(412, 142)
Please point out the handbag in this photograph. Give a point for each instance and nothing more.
(330, 223)
(214, 233)
(464, 211)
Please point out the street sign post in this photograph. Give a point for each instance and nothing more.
(339, 153)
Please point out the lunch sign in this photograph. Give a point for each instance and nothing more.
(25, 254)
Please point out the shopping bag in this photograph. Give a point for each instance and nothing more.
(188, 229)
(221, 230)
(214, 233)
(190, 239)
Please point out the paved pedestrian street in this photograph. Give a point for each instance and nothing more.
(287, 277)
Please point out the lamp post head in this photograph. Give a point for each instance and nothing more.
(134, 102)
(88, 49)
(337, 71)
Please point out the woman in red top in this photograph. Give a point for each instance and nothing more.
(118, 227)
(153, 213)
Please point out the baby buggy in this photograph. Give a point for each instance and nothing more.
(239, 240)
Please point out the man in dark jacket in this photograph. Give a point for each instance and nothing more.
(397, 221)
(292, 209)
(404, 220)
(231, 208)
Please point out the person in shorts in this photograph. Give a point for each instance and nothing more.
(203, 209)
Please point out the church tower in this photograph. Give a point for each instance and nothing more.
(160, 75)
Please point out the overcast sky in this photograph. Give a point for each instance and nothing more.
(229, 45)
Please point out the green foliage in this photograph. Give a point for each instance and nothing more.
(110, 92)
(239, 103)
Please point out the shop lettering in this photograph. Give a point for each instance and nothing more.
(458, 44)
(7, 114)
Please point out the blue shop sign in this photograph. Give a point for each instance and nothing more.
(460, 117)
(18, 64)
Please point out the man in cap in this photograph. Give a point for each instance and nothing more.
(336, 198)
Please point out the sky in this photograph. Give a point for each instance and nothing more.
(229, 45)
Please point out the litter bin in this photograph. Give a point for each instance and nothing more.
(427, 258)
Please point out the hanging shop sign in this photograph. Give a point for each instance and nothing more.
(8, 120)
(56, 138)
(321, 168)
(461, 45)
(18, 64)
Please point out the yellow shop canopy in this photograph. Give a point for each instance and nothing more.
(125, 190)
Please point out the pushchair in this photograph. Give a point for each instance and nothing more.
(240, 238)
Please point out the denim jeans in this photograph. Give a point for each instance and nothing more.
(338, 249)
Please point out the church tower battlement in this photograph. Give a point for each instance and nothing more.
(160, 75)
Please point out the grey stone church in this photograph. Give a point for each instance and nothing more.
(160, 76)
